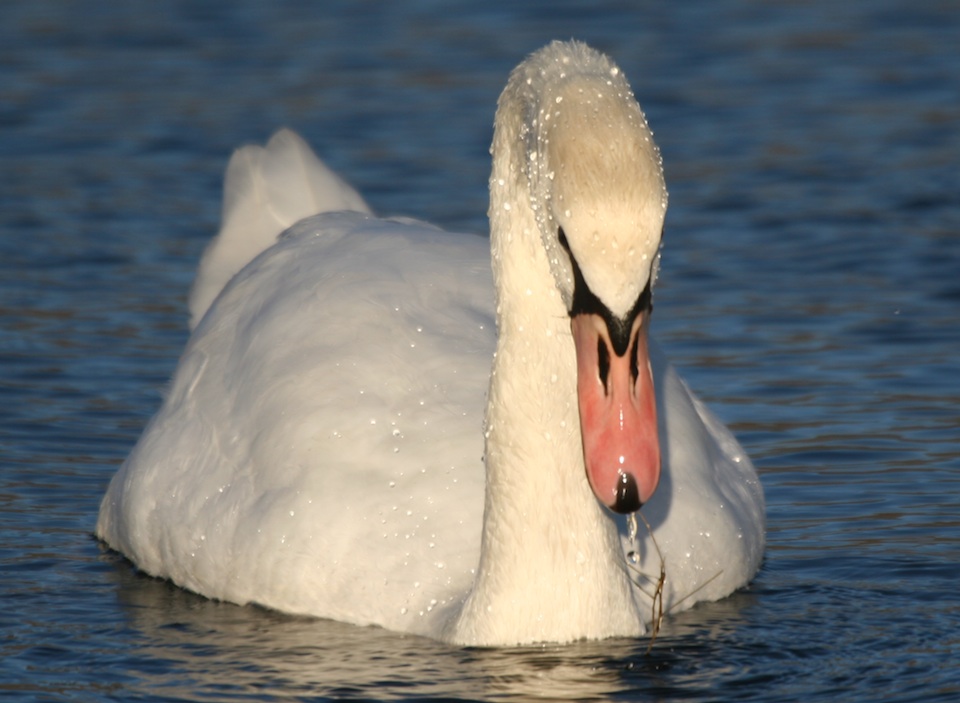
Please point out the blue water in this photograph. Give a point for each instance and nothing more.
(810, 292)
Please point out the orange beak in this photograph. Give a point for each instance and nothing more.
(618, 413)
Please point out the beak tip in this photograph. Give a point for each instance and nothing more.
(628, 495)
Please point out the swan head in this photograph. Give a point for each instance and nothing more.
(592, 175)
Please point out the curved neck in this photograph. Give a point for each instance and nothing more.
(551, 566)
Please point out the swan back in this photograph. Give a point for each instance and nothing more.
(266, 190)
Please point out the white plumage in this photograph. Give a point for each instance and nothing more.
(334, 442)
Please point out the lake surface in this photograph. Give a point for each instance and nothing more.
(810, 292)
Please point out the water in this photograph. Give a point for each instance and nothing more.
(809, 292)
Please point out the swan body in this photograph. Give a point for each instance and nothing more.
(335, 443)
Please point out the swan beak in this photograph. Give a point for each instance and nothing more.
(618, 413)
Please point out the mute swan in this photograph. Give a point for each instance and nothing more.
(324, 447)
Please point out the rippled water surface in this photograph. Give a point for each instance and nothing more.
(810, 292)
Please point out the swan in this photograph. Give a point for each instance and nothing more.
(334, 441)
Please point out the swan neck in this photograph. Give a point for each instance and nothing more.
(551, 566)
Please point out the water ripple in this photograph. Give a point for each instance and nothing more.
(808, 293)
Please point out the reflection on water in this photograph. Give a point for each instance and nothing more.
(808, 292)
(228, 650)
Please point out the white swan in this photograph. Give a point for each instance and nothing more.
(322, 446)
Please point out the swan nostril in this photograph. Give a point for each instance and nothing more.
(628, 497)
(603, 364)
(634, 363)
